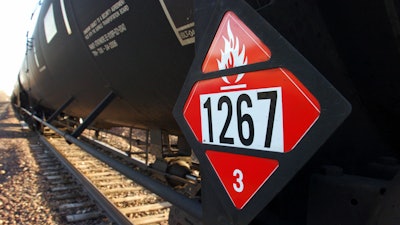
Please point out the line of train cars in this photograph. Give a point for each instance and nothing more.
(204, 71)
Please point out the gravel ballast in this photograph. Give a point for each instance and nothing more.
(23, 189)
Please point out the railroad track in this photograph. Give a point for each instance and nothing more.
(66, 195)
(115, 195)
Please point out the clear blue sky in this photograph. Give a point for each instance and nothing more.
(14, 22)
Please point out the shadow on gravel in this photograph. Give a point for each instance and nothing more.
(24, 190)
(7, 129)
(9, 125)
(8, 160)
(14, 134)
(10, 146)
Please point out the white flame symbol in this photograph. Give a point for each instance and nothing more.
(230, 56)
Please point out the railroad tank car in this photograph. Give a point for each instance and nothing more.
(141, 51)
(81, 51)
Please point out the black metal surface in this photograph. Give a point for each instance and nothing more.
(388, 210)
(343, 199)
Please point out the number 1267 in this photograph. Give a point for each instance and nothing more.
(246, 119)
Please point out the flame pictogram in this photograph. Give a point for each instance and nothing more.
(232, 56)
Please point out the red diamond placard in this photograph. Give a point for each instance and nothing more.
(295, 111)
(234, 45)
(241, 175)
(253, 110)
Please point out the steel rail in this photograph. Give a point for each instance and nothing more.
(192, 207)
(113, 213)
(137, 163)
